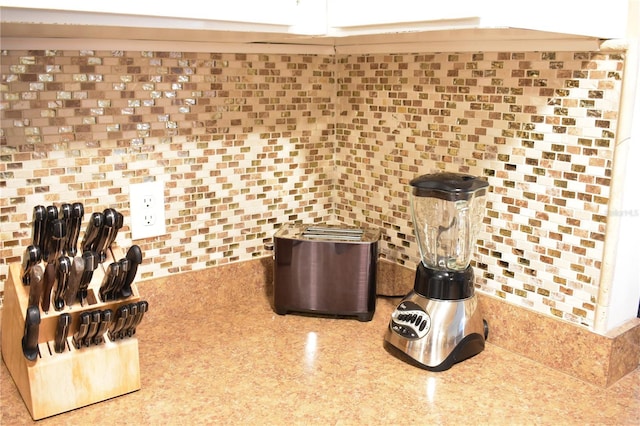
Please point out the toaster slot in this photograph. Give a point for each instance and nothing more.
(325, 233)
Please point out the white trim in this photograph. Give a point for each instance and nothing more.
(15, 43)
(473, 46)
(159, 46)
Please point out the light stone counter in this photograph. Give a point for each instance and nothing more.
(213, 352)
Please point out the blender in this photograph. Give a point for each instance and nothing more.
(439, 323)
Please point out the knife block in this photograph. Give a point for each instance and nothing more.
(59, 382)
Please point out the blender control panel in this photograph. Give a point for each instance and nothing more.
(410, 321)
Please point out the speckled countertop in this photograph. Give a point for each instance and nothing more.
(213, 352)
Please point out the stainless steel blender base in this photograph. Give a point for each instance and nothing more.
(435, 334)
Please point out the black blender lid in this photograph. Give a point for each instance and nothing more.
(448, 186)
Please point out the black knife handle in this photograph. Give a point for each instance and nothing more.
(58, 232)
(73, 230)
(118, 324)
(47, 285)
(93, 328)
(64, 270)
(50, 216)
(37, 229)
(83, 328)
(31, 331)
(62, 331)
(105, 322)
(109, 281)
(65, 213)
(133, 313)
(32, 256)
(143, 306)
(106, 232)
(134, 256)
(92, 232)
(118, 222)
(125, 265)
(77, 269)
(91, 262)
(35, 288)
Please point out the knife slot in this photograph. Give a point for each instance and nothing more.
(49, 349)
(67, 348)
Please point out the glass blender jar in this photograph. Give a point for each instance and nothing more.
(439, 322)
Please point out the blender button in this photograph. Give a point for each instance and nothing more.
(418, 320)
(423, 325)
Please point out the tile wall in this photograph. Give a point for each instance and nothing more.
(539, 126)
(245, 142)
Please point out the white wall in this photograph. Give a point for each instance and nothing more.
(625, 288)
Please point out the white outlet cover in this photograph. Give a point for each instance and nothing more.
(146, 207)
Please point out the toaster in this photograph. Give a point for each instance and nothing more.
(325, 270)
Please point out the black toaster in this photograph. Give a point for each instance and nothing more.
(325, 270)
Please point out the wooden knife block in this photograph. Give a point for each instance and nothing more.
(59, 382)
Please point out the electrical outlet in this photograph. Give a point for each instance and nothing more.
(149, 219)
(146, 204)
(147, 201)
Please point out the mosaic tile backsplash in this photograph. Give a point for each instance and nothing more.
(539, 126)
(245, 142)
